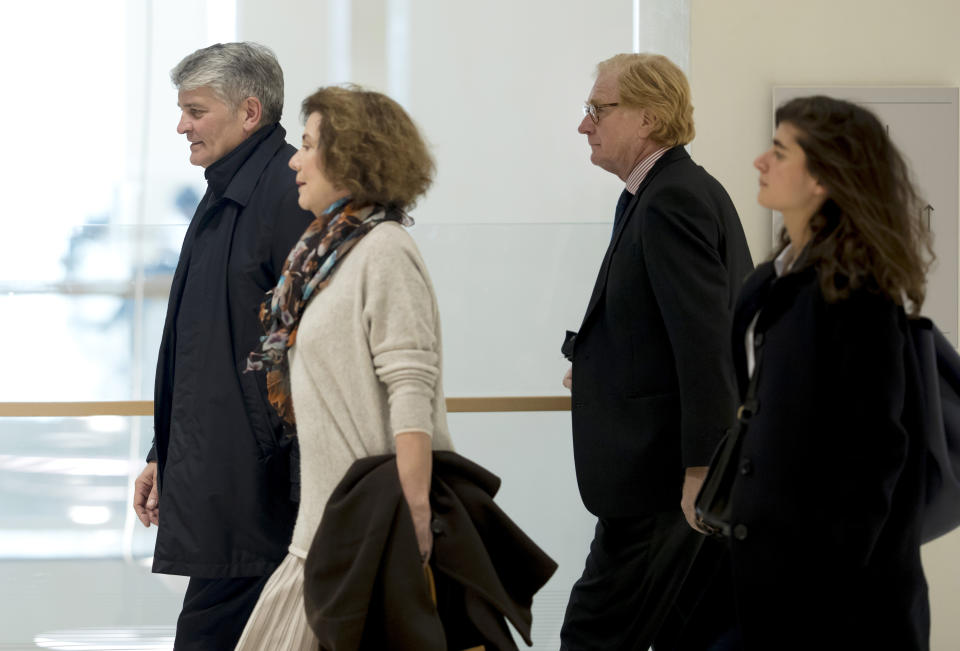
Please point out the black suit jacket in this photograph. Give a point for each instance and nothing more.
(828, 501)
(653, 380)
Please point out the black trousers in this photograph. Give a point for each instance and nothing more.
(650, 581)
(215, 612)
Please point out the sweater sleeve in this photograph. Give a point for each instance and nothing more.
(399, 312)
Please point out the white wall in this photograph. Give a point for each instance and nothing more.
(496, 87)
(740, 49)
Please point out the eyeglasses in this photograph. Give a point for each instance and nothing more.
(593, 110)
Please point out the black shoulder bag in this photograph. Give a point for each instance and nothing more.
(939, 369)
(713, 501)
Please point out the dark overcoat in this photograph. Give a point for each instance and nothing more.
(364, 585)
(826, 507)
(224, 470)
(653, 385)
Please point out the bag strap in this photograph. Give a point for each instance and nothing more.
(713, 499)
(748, 407)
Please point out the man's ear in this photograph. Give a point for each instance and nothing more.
(252, 114)
(647, 123)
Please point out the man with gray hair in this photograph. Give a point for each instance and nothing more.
(220, 465)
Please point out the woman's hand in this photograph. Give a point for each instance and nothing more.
(421, 525)
(414, 464)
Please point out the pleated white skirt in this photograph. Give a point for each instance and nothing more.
(278, 621)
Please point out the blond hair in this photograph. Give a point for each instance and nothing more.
(654, 83)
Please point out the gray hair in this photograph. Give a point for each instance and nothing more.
(234, 72)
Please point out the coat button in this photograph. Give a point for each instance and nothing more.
(740, 532)
(435, 527)
(746, 467)
(758, 340)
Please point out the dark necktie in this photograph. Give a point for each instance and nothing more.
(622, 202)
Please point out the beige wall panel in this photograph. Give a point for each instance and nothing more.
(740, 49)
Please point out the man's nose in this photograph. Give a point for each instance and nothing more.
(182, 125)
(586, 125)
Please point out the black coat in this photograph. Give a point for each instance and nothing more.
(826, 506)
(224, 476)
(653, 382)
(364, 585)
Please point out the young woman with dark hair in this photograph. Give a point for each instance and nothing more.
(826, 537)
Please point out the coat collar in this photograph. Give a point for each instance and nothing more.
(752, 295)
(672, 156)
(244, 181)
(221, 173)
(769, 294)
(234, 177)
(763, 289)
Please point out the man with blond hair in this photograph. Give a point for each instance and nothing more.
(652, 372)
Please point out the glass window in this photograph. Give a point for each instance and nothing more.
(97, 196)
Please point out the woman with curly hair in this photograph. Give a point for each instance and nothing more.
(825, 535)
(352, 351)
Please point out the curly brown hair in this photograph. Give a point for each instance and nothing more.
(868, 233)
(370, 147)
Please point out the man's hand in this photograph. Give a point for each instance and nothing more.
(692, 481)
(145, 499)
(568, 378)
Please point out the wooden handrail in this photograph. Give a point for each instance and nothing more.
(145, 407)
(75, 409)
(508, 403)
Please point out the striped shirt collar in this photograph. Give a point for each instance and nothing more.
(642, 169)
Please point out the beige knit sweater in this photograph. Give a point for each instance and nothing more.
(365, 367)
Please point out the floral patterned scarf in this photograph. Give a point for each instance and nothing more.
(307, 270)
